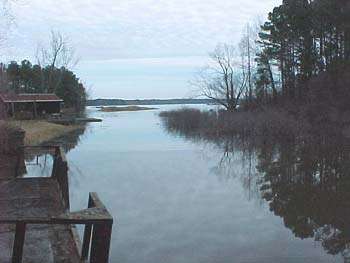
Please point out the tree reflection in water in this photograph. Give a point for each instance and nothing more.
(305, 181)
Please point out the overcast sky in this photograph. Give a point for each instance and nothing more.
(134, 48)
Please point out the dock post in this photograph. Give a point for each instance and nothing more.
(86, 242)
(101, 239)
(17, 253)
(87, 236)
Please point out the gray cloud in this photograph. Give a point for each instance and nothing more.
(134, 48)
(113, 29)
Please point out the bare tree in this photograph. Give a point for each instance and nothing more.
(248, 49)
(58, 54)
(224, 80)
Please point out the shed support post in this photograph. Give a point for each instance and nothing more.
(13, 109)
(35, 110)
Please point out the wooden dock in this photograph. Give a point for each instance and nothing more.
(36, 224)
(73, 120)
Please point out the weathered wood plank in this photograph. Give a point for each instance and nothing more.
(39, 207)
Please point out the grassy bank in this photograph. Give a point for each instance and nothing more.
(38, 132)
(127, 108)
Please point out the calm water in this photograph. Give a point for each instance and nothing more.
(177, 200)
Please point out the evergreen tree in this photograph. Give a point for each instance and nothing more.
(301, 39)
(28, 78)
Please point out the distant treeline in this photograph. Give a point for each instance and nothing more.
(29, 78)
(108, 102)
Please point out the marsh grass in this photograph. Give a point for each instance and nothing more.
(221, 123)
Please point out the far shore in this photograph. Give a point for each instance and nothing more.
(40, 131)
(126, 108)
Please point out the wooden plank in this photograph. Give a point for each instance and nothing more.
(30, 200)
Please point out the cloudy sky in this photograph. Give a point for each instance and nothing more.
(134, 48)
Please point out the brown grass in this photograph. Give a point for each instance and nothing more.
(127, 108)
(221, 123)
(38, 132)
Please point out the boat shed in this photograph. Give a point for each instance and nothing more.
(28, 106)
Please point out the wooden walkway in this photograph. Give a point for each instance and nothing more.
(33, 199)
(36, 224)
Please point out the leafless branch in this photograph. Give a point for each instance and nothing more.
(223, 80)
(57, 54)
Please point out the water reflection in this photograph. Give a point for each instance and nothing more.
(305, 181)
(39, 161)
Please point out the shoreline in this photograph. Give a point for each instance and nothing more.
(273, 122)
(38, 132)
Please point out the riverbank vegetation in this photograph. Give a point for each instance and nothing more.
(291, 71)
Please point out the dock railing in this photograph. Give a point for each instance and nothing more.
(98, 229)
(96, 218)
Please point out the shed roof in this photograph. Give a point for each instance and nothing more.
(35, 97)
